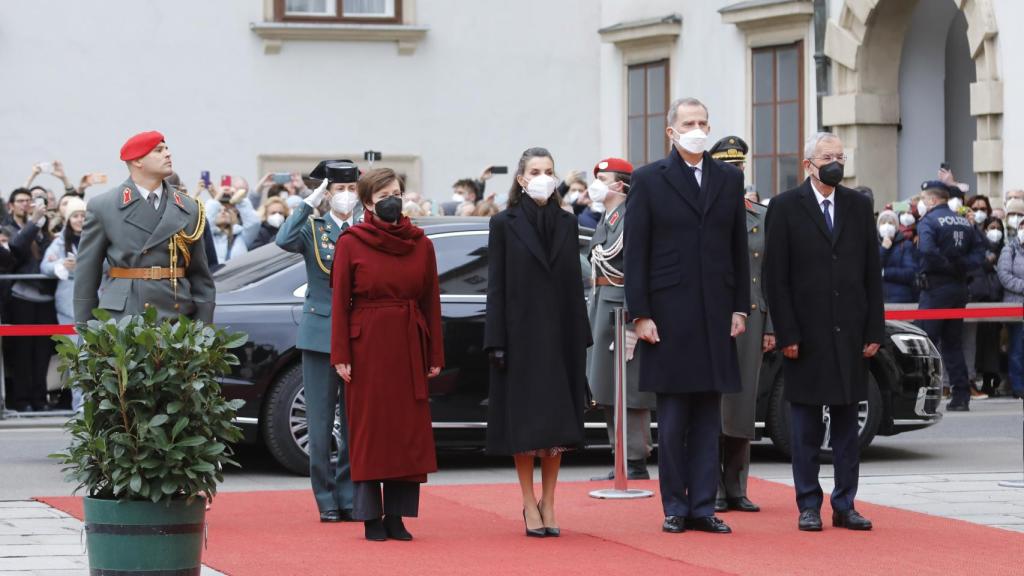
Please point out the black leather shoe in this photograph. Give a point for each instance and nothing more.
(850, 519)
(374, 530)
(330, 516)
(533, 532)
(395, 529)
(810, 520)
(958, 407)
(721, 505)
(674, 524)
(708, 524)
(346, 515)
(637, 470)
(743, 504)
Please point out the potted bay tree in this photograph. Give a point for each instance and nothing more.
(153, 438)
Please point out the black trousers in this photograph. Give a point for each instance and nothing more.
(399, 499)
(28, 357)
(688, 429)
(735, 461)
(807, 429)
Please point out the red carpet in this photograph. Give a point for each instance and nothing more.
(478, 529)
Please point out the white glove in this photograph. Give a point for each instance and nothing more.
(317, 196)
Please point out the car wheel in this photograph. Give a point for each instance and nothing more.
(869, 418)
(286, 430)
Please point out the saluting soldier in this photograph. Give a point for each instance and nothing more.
(610, 186)
(738, 410)
(151, 236)
(314, 236)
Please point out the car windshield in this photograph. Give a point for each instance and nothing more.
(252, 267)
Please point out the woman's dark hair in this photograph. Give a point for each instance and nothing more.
(994, 220)
(69, 236)
(374, 180)
(983, 198)
(515, 194)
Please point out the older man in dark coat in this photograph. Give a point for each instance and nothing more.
(687, 290)
(824, 288)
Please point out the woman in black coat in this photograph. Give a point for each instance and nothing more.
(537, 334)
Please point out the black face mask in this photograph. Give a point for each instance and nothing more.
(831, 174)
(389, 209)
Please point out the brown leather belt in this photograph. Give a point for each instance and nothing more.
(604, 281)
(151, 273)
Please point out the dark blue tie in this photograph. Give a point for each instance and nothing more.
(828, 217)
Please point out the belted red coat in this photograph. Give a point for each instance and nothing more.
(386, 323)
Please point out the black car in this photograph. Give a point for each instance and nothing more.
(261, 293)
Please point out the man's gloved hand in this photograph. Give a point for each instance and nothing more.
(497, 357)
(317, 196)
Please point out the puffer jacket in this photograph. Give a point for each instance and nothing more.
(1011, 271)
(899, 270)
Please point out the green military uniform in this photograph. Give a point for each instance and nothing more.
(126, 233)
(315, 237)
(606, 258)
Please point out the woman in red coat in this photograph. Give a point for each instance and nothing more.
(386, 341)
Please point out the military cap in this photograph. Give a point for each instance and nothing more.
(613, 165)
(730, 149)
(320, 171)
(139, 145)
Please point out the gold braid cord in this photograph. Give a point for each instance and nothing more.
(316, 248)
(180, 242)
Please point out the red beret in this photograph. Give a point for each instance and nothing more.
(141, 144)
(613, 165)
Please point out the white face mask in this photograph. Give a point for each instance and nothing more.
(693, 141)
(922, 208)
(1013, 221)
(598, 207)
(458, 197)
(955, 204)
(343, 202)
(980, 216)
(886, 230)
(598, 191)
(572, 197)
(275, 219)
(907, 219)
(994, 236)
(540, 187)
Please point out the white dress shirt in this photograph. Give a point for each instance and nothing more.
(339, 221)
(821, 198)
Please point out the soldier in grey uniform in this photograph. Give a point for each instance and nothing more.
(738, 410)
(314, 236)
(610, 186)
(150, 235)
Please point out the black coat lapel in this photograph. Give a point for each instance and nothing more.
(684, 184)
(564, 226)
(842, 212)
(711, 182)
(526, 232)
(810, 202)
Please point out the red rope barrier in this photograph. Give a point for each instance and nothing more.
(37, 329)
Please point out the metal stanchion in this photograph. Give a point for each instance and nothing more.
(620, 490)
(3, 383)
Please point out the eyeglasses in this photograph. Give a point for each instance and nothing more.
(828, 158)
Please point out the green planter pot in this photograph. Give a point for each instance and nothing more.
(142, 538)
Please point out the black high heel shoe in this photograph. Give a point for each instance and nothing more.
(549, 531)
(533, 532)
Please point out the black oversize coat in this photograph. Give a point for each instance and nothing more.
(686, 267)
(536, 311)
(825, 293)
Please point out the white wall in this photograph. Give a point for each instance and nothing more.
(491, 79)
(1010, 45)
(922, 95)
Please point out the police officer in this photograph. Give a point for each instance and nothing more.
(950, 248)
(314, 236)
(610, 186)
(151, 236)
(739, 410)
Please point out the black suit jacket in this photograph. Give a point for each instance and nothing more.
(825, 292)
(686, 267)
